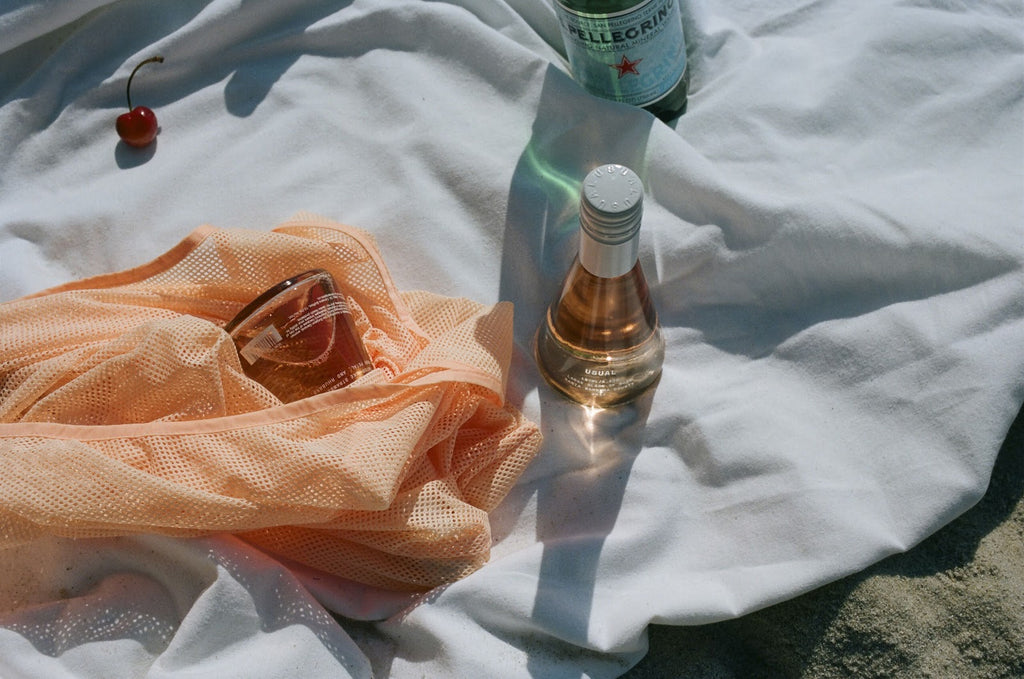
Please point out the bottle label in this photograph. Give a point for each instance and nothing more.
(636, 56)
(262, 344)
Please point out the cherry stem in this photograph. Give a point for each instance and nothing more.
(128, 89)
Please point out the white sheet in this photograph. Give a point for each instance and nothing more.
(834, 235)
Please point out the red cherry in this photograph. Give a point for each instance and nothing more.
(138, 126)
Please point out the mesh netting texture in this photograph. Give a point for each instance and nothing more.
(124, 409)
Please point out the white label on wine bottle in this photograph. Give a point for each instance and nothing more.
(635, 57)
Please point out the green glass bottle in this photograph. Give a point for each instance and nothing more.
(631, 51)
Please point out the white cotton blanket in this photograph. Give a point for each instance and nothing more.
(834, 236)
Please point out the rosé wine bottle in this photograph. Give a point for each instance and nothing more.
(601, 343)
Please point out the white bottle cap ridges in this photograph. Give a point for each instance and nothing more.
(611, 208)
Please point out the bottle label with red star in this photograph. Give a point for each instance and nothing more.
(635, 56)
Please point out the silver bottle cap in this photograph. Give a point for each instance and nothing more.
(611, 207)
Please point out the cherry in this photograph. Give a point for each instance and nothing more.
(138, 126)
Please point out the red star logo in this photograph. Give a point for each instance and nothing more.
(626, 66)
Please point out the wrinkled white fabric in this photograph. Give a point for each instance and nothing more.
(834, 237)
(157, 607)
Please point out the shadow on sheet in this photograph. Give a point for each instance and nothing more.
(588, 453)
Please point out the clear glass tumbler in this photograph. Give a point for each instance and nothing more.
(299, 339)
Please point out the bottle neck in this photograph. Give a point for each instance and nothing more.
(608, 260)
(611, 206)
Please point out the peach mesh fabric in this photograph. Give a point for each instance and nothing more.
(124, 409)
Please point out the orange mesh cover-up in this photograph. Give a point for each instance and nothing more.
(124, 409)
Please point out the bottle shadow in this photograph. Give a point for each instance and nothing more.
(578, 504)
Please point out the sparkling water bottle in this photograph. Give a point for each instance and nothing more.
(631, 51)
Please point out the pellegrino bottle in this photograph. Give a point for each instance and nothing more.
(601, 344)
(632, 51)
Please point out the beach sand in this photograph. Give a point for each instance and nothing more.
(953, 606)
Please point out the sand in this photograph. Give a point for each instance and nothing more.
(951, 607)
